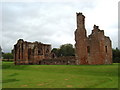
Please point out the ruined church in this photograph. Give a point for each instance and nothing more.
(92, 50)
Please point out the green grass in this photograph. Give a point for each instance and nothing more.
(59, 76)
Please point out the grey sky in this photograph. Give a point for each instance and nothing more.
(119, 25)
(55, 22)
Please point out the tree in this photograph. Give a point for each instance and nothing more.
(116, 55)
(7, 56)
(55, 51)
(67, 50)
(64, 50)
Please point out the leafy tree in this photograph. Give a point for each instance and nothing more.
(7, 56)
(67, 50)
(64, 50)
(116, 55)
(55, 51)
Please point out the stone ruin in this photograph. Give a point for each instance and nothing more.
(26, 53)
(94, 49)
(65, 60)
(31, 53)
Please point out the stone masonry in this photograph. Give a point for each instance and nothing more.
(91, 50)
(26, 53)
(64, 60)
(94, 49)
(31, 53)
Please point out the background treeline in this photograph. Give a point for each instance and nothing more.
(66, 50)
(7, 56)
(116, 55)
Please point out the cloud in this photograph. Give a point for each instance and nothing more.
(54, 22)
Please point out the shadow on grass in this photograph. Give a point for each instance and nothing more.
(14, 74)
(13, 66)
(9, 80)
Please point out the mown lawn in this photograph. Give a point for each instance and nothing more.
(59, 76)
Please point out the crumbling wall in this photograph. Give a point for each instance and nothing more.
(94, 49)
(96, 45)
(108, 50)
(37, 53)
(81, 40)
(30, 53)
(68, 60)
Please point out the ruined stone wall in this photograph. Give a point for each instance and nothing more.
(30, 53)
(94, 49)
(68, 60)
(37, 53)
(81, 38)
(108, 58)
(97, 46)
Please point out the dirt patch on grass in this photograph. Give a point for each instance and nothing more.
(40, 84)
(24, 85)
(69, 86)
(66, 79)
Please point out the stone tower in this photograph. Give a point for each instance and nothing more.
(81, 40)
(94, 49)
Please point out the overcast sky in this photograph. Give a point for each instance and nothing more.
(55, 22)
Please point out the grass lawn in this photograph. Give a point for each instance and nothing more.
(59, 76)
